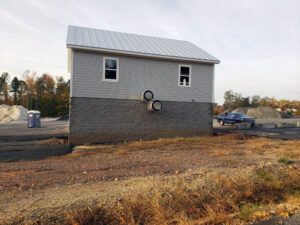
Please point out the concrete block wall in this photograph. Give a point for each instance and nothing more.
(100, 120)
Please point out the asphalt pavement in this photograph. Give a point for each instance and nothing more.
(18, 131)
(292, 133)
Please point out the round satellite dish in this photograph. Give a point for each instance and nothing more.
(148, 95)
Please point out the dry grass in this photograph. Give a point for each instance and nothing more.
(235, 145)
(215, 196)
(218, 198)
(226, 201)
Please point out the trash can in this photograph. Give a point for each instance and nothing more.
(34, 119)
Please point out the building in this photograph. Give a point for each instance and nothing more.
(110, 72)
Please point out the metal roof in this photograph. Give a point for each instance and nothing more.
(132, 44)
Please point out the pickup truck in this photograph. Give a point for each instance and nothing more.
(233, 118)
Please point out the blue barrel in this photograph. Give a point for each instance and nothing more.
(34, 119)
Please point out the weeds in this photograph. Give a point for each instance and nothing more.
(224, 195)
(224, 201)
(285, 161)
(247, 210)
(264, 175)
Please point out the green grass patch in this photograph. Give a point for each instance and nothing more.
(265, 175)
(285, 160)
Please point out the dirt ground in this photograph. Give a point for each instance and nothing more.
(105, 172)
(108, 162)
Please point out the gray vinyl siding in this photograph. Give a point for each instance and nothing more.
(138, 74)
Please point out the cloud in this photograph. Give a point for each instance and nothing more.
(257, 41)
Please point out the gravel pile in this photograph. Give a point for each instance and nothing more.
(261, 112)
(12, 113)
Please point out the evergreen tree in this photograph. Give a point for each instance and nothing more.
(14, 88)
(4, 86)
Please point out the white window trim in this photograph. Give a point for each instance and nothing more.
(190, 75)
(117, 71)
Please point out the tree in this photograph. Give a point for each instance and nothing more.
(45, 95)
(264, 101)
(62, 96)
(235, 100)
(229, 99)
(31, 88)
(283, 104)
(245, 102)
(45, 85)
(14, 87)
(4, 85)
(255, 99)
(22, 92)
(49, 84)
(238, 100)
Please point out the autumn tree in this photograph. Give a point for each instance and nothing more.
(62, 96)
(265, 101)
(22, 91)
(31, 89)
(234, 100)
(45, 89)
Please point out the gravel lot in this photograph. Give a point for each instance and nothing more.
(104, 172)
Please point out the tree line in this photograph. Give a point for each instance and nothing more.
(46, 93)
(233, 100)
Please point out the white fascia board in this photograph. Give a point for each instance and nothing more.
(142, 54)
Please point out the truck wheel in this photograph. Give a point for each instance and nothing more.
(222, 122)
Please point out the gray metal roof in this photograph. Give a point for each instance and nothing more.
(116, 42)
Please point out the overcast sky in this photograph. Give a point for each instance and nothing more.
(257, 41)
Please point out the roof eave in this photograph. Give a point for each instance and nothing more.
(105, 50)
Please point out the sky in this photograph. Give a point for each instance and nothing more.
(257, 41)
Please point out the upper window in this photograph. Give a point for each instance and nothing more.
(184, 78)
(110, 69)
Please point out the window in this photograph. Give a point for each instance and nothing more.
(110, 69)
(184, 78)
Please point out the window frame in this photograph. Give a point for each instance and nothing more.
(104, 69)
(179, 75)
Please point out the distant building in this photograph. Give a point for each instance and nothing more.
(117, 78)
